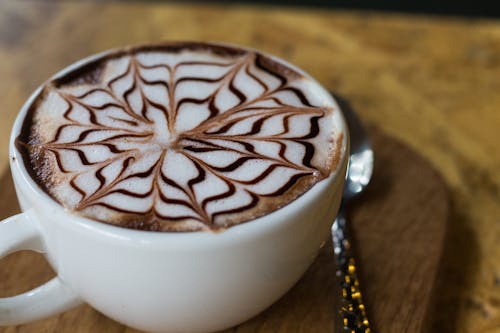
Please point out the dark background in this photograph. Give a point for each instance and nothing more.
(477, 8)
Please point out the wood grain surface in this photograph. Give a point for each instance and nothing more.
(432, 82)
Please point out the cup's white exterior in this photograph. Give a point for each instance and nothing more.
(181, 282)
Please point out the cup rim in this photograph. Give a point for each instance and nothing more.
(247, 228)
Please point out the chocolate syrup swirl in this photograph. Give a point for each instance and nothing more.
(180, 140)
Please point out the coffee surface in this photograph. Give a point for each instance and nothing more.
(180, 137)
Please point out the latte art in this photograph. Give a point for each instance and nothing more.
(181, 138)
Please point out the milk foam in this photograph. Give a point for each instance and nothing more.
(183, 140)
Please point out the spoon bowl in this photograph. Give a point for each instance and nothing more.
(360, 168)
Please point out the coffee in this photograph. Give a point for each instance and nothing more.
(180, 137)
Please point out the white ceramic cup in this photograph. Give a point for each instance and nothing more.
(163, 282)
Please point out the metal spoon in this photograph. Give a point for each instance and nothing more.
(351, 313)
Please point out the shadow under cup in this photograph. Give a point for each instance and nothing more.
(180, 282)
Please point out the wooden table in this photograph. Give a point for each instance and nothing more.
(432, 82)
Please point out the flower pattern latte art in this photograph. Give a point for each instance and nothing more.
(183, 140)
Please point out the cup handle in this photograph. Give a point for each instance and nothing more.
(17, 233)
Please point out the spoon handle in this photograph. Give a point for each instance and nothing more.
(351, 313)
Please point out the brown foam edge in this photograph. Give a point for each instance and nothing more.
(24, 141)
(91, 71)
